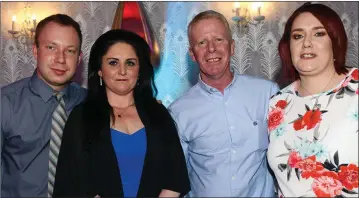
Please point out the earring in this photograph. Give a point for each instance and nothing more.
(100, 81)
(334, 60)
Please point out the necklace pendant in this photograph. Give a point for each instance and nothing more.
(123, 112)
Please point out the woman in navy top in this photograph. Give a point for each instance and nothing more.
(120, 141)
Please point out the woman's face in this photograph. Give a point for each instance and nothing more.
(310, 45)
(119, 69)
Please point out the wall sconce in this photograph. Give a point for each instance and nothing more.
(26, 32)
(243, 16)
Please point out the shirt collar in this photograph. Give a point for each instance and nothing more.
(41, 88)
(210, 89)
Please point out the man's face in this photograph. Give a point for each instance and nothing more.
(57, 55)
(211, 48)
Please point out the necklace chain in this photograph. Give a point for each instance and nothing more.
(321, 93)
(120, 114)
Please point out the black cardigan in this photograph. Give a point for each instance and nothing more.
(87, 166)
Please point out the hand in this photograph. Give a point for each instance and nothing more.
(168, 193)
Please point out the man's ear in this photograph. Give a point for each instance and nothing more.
(80, 58)
(232, 47)
(34, 50)
(192, 54)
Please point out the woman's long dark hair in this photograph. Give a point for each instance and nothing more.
(97, 107)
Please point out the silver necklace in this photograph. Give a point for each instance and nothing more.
(120, 114)
(321, 93)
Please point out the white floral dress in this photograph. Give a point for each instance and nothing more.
(313, 148)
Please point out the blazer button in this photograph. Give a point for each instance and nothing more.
(255, 123)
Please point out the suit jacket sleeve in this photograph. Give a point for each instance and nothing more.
(66, 179)
(5, 116)
(176, 177)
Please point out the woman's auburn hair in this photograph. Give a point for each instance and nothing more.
(336, 31)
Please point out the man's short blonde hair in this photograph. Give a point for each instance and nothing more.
(209, 14)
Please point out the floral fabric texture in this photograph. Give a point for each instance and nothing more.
(313, 148)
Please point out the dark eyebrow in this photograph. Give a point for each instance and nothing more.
(113, 59)
(301, 29)
(131, 59)
(318, 28)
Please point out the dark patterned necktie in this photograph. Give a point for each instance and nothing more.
(59, 118)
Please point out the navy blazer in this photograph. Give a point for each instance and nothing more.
(87, 163)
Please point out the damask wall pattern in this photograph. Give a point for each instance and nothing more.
(255, 53)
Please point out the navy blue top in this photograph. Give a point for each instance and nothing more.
(130, 152)
(26, 107)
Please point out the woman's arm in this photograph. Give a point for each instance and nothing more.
(168, 193)
(176, 176)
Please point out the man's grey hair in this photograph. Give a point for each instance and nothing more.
(209, 14)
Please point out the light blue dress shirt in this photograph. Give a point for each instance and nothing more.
(224, 137)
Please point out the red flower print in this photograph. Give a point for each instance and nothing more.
(310, 119)
(336, 90)
(309, 167)
(327, 185)
(298, 124)
(275, 118)
(348, 175)
(345, 83)
(355, 75)
(294, 158)
(281, 104)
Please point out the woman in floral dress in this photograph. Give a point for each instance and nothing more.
(313, 122)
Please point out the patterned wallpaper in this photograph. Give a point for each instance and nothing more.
(255, 54)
